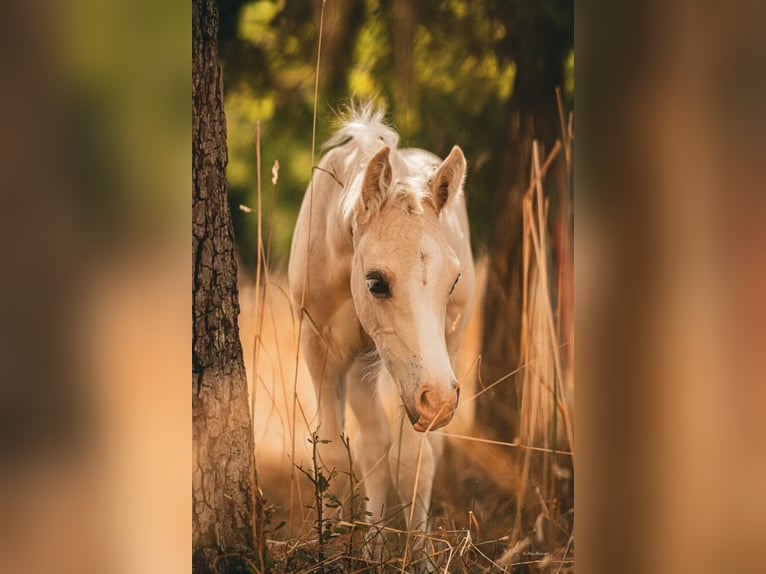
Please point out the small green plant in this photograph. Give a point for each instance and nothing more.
(322, 496)
(333, 526)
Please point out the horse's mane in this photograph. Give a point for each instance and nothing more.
(364, 123)
(362, 133)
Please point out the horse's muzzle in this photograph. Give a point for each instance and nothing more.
(434, 409)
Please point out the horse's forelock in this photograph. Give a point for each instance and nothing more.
(409, 193)
(362, 134)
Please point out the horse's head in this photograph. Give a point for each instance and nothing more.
(402, 277)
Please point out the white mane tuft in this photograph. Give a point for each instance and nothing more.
(364, 124)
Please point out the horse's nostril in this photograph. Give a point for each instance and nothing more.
(424, 402)
(433, 404)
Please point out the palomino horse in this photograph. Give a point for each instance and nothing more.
(381, 263)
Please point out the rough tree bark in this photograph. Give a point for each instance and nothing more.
(225, 535)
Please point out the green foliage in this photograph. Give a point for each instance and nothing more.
(372, 49)
(451, 84)
(330, 527)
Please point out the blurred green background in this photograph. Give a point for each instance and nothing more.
(447, 72)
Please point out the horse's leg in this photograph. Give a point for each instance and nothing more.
(328, 375)
(413, 458)
(372, 442)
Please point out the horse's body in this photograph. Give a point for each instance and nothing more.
(381, 264)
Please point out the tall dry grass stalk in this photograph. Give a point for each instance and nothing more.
(546, 384)
(294, 486)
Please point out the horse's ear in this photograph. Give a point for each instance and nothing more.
(377, 179)
(448, 178)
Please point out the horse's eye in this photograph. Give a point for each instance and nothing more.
(377, 285)
(457, 280)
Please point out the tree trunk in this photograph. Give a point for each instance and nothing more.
(341, 24)
(225, 537)
(405, 18)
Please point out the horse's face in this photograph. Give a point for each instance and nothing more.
(403, 275)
